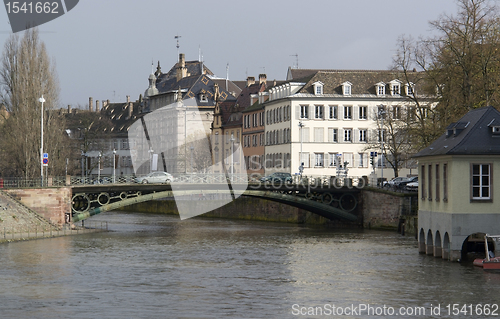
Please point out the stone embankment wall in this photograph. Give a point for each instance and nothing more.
(50, 203)
(16, 218)
(389, 210)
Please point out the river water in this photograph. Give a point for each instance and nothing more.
(156, 266)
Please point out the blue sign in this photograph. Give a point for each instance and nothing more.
(46, 155)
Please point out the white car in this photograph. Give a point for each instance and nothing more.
(155, 177)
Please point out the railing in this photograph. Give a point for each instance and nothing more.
(61, 181)
(24, 233)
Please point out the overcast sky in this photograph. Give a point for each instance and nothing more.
(104, 48)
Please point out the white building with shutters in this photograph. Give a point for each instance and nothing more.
(324, 118)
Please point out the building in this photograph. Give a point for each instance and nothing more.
(329, 118)
(459, 195)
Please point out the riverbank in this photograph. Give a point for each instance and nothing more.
(18, 222)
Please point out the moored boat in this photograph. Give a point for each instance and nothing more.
(490, 262)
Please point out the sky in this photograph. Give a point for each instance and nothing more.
(104, 48)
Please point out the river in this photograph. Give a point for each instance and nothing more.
(157, 266)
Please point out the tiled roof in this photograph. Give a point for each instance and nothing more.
(471, 135)
(363, 81)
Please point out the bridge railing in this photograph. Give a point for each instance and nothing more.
(60, 181)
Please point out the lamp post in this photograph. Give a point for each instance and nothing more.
(41, 100)
(99, 168)
(381, 114)
(150, 159)
(114, 166)
(192, 149)
(301, 166)
(232, 159)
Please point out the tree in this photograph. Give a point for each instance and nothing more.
(460, 65)
(26, 74)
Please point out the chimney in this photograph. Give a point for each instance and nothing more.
(262, 78)
(181, 68)
(130, 109)
(250, 80)
(91, 104)
(97, 106)
(69, 108)
(128, 98)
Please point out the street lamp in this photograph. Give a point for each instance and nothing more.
(99, 168)
(114, 166)
(150, 159)
(232, 159)
(381, 114)
(41, 100)
(301, 167)
(192, 149)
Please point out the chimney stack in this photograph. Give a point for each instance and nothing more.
(97, 106)
(130, 109)
(181, 71)
(91, 104)
(128, 98)
(250, 80)
(262, 78)
(69, 108)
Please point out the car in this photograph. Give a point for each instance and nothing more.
(394, 183)
(277, 178)
(412, 179)
(412, 187)
(155, 177)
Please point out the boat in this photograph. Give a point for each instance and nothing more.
(490, 262)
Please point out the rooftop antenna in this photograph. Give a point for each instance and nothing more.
(296, 60)
(227, 74)
(177, 37)
(152, 66)
(263, 67)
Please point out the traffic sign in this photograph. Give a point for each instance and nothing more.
(46, 155)
(45, 160)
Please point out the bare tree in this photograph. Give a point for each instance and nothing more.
(26, 74)
(460, 66)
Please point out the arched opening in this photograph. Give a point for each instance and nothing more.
(474, 247)
(437, 245)
(429, 248)
(421, 241)
(446, 246)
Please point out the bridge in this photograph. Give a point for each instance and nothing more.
(333, 202)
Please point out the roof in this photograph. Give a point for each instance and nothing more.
(363, 81)
(471, 135)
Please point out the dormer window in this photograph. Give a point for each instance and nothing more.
(318, 88)
(395, 86)
(203, 98)
(346, 88)
(409, 88)
(380, 88)
(495, 130)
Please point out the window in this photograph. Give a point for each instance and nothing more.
(481, 181)
(305, 159)
(318, 159)
(437, 183)
(445, 182)
(396, 112)
(318, 88)
(346, 88)
(362, 135)
(318, 111)
(303, 111)
(318, 134)
(332, 159)
(333, 135)
(348, 160)
(395, 89)
(422, 182)
(203, 98)
(363, 110)
(380, 87)
(347, 135)
(362, 160)
(429, 180)
(409, 88)
(333, 112)
(381, 135)
(347, 112)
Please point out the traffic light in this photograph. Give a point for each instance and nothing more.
(372, 160)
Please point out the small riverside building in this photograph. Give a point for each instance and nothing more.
(459, 187)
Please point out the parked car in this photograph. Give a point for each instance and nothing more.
(394, 183)
(412, 187)
(277, 177)
(155, 177)
(412, 179)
